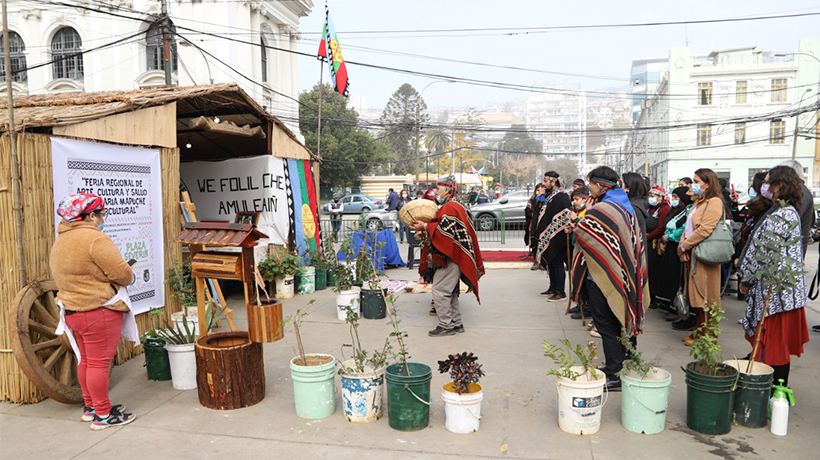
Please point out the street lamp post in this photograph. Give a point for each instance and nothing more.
(207, 64)
(783, 54)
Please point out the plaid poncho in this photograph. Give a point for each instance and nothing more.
(610, 248)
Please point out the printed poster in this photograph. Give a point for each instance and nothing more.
(130, 181)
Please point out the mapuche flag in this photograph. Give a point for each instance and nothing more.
(336, 63)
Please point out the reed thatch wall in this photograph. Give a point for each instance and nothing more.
(34, 154)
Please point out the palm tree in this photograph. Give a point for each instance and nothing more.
(437, 140)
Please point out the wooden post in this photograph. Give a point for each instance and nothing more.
(200, 306)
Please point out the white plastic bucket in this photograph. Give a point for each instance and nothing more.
(284, 287)
(580, 402)
(192, 320)
(183, 365)
(362, 392)
(462, 412)
(344, 299)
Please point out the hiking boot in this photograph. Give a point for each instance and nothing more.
(688, 340)
(115, 418)
(88, 412)
(557, 298)
(441, 332)
(459, 329)
(547, 294)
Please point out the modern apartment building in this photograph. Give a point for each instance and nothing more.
(558, 120)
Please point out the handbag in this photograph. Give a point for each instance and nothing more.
(680, 302)
(718, 248)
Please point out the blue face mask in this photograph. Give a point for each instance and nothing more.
(752, 194)
(541, 198)
(697, 190)
(674, 203)
(440, 200)
(653, 201)
(101, 226)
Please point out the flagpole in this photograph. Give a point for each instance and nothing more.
(321, 91)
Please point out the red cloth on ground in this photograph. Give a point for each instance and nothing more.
(456, 239)
(98, 334)
(783, 334)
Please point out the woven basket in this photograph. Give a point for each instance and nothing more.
(418, 211)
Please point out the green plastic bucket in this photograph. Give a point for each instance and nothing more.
(331, 278)
(752, 393)
(321, 280)
(709, 400)
(156, 360)
(644, 401)
(306, 280)
(408, 396)
(373, 304)
(314, 389)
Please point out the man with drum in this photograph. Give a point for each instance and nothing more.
(450, 254)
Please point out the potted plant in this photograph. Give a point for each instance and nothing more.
(264, 314)
(373, 302)
(463, 395)
(362, 376)
(306, 274)
(709, 382)
(645, 392)
(329, 258)
(347, 295)
(580, 387)
(408, 383)
(281, 266)
(751, 398)
(179, 341)
(313, 377)
(156, 356)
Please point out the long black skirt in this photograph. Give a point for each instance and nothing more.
(669, 275)
(653, 261)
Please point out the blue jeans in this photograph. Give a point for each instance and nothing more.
(557, 275)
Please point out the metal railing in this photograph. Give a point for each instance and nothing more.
(488, 229)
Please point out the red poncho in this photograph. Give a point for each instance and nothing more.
(451, 235)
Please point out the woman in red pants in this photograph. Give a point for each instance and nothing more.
(88, 270)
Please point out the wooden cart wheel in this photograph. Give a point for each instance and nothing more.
(46, 358)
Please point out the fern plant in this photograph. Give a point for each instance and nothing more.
(565, 358)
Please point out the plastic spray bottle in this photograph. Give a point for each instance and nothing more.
(779, 408)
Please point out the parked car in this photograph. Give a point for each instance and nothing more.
(381, 219)
(511, 204)
(357, 204)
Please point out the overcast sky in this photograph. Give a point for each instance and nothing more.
(602, 52)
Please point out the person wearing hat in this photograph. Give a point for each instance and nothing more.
(450, 255)
(552, 251)
(336, 208)
(89, 270)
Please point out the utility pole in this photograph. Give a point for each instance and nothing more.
(418, 132)
(166, 43)
(17, 203)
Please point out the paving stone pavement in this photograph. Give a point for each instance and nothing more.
(519, 408)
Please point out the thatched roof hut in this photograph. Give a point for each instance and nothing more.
(163, 118)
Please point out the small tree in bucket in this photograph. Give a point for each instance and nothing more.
(565, 357)
(777, 270)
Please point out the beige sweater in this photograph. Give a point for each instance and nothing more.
(85, 263)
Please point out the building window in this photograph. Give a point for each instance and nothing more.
(704, 134)
(740, 91)
(264, 60)
(155, 51)
(778, 90)
(777, 132)
(704, 94)
(17, 53)
(66, 54)
(740, 133)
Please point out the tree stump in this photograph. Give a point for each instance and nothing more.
(230, 373)
(265, 321)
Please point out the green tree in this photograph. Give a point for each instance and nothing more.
(347, 151)
(566, 168)
(437, 140)
(400, 119)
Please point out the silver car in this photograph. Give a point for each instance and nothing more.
(381, 219)
(512, 205)
(358, 203)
